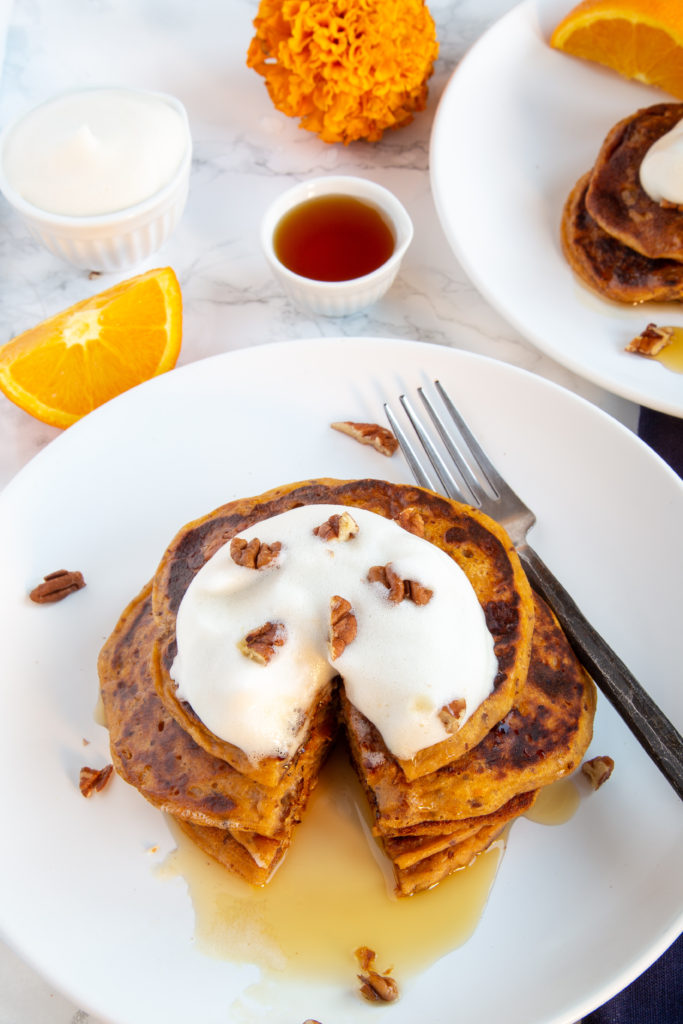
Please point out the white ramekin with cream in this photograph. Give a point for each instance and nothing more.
(100, 175)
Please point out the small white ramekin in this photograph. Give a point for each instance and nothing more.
(338, 298)
(112, 241)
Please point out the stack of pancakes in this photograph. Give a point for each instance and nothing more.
(619, 241)
(431, 814)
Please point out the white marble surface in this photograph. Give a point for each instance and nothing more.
(245, 153)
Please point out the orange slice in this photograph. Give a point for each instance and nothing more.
(75, 361)
(640, 39)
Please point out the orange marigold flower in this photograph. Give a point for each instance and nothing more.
(348, 69)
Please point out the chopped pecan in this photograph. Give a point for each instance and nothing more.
(340, 527)
(399, 589)
(343, 626)
(451, 714)
(417, 593)
(385, 575)
(651, 341)
(365, 957)
(259, 644)
(378, 988)
(598, 770)
(92, 780)
(411, 520)
(375, 987)
(380, 438)
(56, 586)
(254, 554)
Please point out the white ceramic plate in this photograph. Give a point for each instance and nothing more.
(577, 910)
(516, 126)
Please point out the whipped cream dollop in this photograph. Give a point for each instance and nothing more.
(95, 151)
(661, 169)
(406, 662)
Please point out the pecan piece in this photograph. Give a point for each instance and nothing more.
(340, 527)
(56, 586)
(651, 341)
(399, 589)
(378, 988)
(411, 520)
(92, 780)
(380, 438)
(417, 593)
(365, 957)
(343, 626)
(598, 770)
(451, 714)
(385, 575)
(254, 554)
(259, 644)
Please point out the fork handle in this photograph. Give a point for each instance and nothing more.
(647, 722)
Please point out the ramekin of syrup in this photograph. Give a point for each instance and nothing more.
(336, 243)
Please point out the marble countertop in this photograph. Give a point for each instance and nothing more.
(245, 153)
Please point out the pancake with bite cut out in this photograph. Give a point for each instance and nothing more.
(615, 198)
(607, 266)
(478, 545)
(175, 774)
(541, 739)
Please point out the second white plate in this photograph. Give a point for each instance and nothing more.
(517, 125)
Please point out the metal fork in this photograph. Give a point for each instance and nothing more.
(646, 721)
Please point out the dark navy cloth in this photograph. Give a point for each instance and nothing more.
(664, 434)
(656, 997)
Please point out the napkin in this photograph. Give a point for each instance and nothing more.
(664, 434)
(656, 997)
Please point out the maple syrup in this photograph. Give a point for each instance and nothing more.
(332, 894)
(333, 238)
(671, 355)
(556, 803)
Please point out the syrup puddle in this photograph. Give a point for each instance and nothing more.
(556, 803)
(671, 355)
(330, 896)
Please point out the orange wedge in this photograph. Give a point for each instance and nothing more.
(75, 361)
(640, 39)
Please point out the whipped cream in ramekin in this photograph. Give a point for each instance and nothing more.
(95, 151)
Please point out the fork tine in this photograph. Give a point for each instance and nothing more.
(498, 484)
(409, 452)
(448, 483)
(468, 477)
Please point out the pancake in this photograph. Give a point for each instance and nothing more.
(616, 200)
(406, 851)
(479, 546)
(175, 774)
(414, 873)
(227, 848)
(607, 266)
(541, 739)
